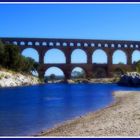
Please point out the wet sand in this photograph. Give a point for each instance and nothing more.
(119, 119)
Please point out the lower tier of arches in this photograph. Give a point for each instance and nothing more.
(89, 71)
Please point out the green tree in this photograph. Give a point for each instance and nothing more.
(138, 66)
(2, 51)
(11, 58)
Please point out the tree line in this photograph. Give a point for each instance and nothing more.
(11, 58)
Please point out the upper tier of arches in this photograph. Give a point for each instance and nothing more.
(71, 43)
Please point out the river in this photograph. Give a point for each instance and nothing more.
(26, 111)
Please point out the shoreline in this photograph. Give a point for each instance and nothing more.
(113, 120)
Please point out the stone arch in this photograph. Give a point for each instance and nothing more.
(44, 43)
(119, 57)
(125, 45)
(51, 44)
(78, 72)
(112, 45)
(30, 43)
(99, 45)
(50, 56)
(85, 44)
(64, 44)
(78, 56)
(137, 46)
(119, 45)
(92, 44)
(131, 46)
(31, 52)
(71, 44)
(135, 56)
(99, 56)
(22, 43)
(54, 73)
(106, 45)
(57, 43)
(78, 44)
(37, 43)
(15, 42)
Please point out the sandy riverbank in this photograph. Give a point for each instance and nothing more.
(120, 119)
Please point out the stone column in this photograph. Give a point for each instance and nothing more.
(67, 74)
(41, 74)
(68, 56)
(129, 58)
(89, 56)
(109, 63)
(41, 57)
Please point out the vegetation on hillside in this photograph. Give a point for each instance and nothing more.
(137, 66)
(11, 58)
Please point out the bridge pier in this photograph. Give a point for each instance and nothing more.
(41, 74)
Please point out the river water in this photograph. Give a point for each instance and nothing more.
(29, 110)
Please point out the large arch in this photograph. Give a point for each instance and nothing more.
(119, 57)
(30, 52)
(135, 56)
(55, 56)
(78, 56)
(99, 56)
(54, 73)
(78, 72)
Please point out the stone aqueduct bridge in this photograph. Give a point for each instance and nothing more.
(42, 45)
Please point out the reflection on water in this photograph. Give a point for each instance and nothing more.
(29, 110)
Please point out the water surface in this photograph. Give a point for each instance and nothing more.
(29, 110)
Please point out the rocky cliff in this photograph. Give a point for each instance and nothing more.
(130, 79)
(11, 79)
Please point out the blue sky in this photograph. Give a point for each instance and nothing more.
(88, 21)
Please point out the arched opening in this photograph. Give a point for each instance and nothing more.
(99, 72)
(22, 43)
(64, 44)
(54, 74)
(71, 44)
(99, 45)
(135, 56)
(78, 44)
(106, 45)
(119, 57)
(32, 53)
(131, 46)
(15, 43)
(78, 72)
(30, 43)
(99, 56)
(44, 43)
(37, 43)
(92, 45)
(57, 43)
(85, 44)
(78, 56)
(51, 44)
(54, 56)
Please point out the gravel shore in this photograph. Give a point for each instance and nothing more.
(120, 119)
